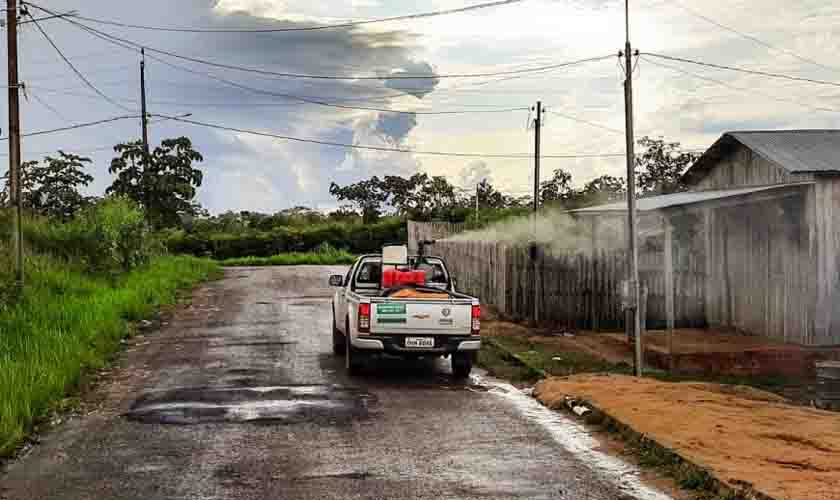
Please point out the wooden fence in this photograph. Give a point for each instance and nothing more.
(577, 290)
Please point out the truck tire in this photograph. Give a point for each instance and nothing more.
(462, 364)
(353, 357)
(338, 339)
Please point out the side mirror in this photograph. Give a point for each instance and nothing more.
(336, 280)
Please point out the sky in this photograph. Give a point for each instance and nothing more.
(247, 172)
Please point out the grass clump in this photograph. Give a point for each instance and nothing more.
(324, 255)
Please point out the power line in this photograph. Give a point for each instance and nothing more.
(742, 70)
(318, 102)
(523, 156)
(328, 77)
(587, 122)
(741, 89)
(48, 106)
(72, 67)
(753, 38)
(308, 28)
(79, 125)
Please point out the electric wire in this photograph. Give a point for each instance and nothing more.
(392, 76)
(753, 38)
(306, 28)
(75, 70)
(586, 122)
(78, 126)
(384, 148)
(743, 70)
(741, 89)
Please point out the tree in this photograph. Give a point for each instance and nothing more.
(557, 189)
(604, 189)
(488, 197)
(368, 194)
(438, 197)
(165, 183)
(404, 194)
(51, 188)
(661, 166)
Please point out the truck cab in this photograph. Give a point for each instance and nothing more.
(408, 308)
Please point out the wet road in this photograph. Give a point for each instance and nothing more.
(238, 397)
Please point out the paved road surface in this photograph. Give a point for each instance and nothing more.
(238, 397)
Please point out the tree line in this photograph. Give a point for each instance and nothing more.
(659, 168)
(164, 182)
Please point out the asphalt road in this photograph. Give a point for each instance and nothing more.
(237, 396)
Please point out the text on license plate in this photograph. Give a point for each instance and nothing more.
(419, 342)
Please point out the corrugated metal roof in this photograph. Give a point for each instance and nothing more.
(664, 201)
(796, 150)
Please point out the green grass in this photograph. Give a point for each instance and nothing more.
(68, 323)
(324, 258)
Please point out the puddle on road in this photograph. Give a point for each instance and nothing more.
(268, 405)
(576, 439)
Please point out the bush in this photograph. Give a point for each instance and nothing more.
(109, 237)
(354, 238)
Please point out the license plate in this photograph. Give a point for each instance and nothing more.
(424, 342)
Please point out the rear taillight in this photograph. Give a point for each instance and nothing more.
(476, 320)
(364, 318)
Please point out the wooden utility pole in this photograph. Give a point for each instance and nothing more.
(633, 316)
(145, 117)
(535, 249)
(15, 176)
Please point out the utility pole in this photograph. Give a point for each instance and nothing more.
(477, 184)
(145, 118)
(537, 125)
(15, 176)
(535, 248)
(633, 321)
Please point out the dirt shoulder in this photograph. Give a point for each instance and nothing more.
(740, 434)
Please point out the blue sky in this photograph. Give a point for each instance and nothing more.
(255, 173)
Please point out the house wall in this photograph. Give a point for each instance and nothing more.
(826, 241)
(762, 269)
(743, 167)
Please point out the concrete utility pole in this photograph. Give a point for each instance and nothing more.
(476, 203)
(15, 176)
(633, 320)
(145, 117)
(535, 249)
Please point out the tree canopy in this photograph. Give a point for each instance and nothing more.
(164, 182)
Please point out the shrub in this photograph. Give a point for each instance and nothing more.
(109, 237)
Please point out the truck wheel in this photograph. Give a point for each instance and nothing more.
(352, 356)
(338, 340)
(462, 364)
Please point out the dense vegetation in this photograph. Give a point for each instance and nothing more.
(87, 278)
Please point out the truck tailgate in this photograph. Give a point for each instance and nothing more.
(435, 317)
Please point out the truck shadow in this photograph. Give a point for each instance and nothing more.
(391, 372)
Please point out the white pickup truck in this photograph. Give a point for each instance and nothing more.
(409, 321)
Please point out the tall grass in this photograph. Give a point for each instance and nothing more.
(68, 322)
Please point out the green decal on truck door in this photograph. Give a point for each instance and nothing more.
(390, 313)
(390, 309)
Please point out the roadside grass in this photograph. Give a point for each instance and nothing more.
(69, 322)
(329, 257)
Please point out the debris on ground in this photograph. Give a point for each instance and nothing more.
(740, 434)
